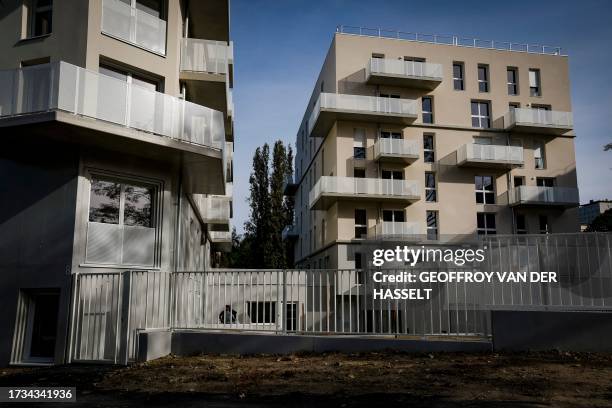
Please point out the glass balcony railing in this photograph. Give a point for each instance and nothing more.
(401, 68)
(544, 195)
(132, 25)
(395, 148)
(538, 118)
(372, 187)
(473, 152)
(220, 236)
(66, 87)
(393, 229)
(213, 209)
(373, 105)
(206, 56)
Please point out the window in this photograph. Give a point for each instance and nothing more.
(291, 309)
(485, 224)
(359, 150)
(458, 76)
(261, 312)
(543, 223)
(519, 181)
(430, 187)
(393, 216)
(150, 83)
(521, 224)
(358, 173)
(390, 135)
(480, 114)
(538, 155)
(545, 182)
(483, 78)
(41, 18)
(484, 190)
(432, 225)
(323, 232)
(427, 109)
(534, 82)
(512, 75)
(122, 222)
(514, 105)
(392, 175)
(429, 154)
(361, 223)
(358, 260)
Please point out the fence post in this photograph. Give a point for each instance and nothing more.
(73, 318)
(283, 304)
(124, 332)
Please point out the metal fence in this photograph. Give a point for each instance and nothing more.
(110, 308)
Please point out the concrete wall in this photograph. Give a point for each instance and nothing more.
(570, 331)
(154, 344)
(37, 217)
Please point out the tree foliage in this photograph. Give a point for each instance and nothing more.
(601, 223)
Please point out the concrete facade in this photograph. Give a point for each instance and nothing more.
(54, 153)
(328, 143)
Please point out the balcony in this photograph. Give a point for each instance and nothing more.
(289, 186)
(117, 115)
(412, 74)
(129, 24)
(221, 240)
(396, 150)
(544, 196)
(394, 230)
(331, 107)
(214, 210)
(214, 58)
(329, 189)
(290, 233)
(538, 121)
(489, 156)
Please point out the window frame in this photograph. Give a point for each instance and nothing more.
(33, 10)
(435, 227)
(484, 192)
(483, 83)
(486, 229)
(535, 91)
(424, 113)
(524, 229)
(514, 84)
(361, 230)
(431, 150)
(480, 116)
(460, 79)
(539, 162)
(430, 175)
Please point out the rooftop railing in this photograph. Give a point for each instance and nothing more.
(493, 153)
(361, 103)
(456, 40)
(206, 55)
(135, 26)
(66, 87)
(538, 117)
(415, 69)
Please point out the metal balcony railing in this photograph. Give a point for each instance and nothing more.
(392, 229)
(206, 55)
(66, 87)
(395, 147)
(544, 195)
(363, 186)
(415, 69)
(492, 153)
(135, 26)
(361, 103)
(455, 40)
(538, 117)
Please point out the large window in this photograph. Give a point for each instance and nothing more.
(485, 193)
(361, 223)
(534, 82)
(429, 153)
(393, 216)
(41, 18)
(458, 83)
(481, 117)
(432, 225)
(486, 224)
(262, 312)
(392, 175)
(427, 109)
(545, 181)
(122, 222)
(359, 144)
(483, 78)
(538, 155)
(512, 74)
(521, 224)
(430, 187)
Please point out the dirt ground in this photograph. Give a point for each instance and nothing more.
(354, 380)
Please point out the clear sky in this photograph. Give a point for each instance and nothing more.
(280, 46)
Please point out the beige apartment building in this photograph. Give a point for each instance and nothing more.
(117, 126)
(431, 139)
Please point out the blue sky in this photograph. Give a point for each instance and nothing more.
(280, 46)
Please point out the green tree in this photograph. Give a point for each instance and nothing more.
(278, 218)
(601, 223)
(289, 207)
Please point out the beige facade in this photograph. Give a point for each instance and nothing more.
(117, 118)
(502, 120)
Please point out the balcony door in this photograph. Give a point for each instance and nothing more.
(391, 182)
(393, 222)
(389, 103)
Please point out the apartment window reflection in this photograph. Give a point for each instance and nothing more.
(427, 109)
(485, 193)
(429, 154)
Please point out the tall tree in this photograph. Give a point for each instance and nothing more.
(278, 216)
(289, 206)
